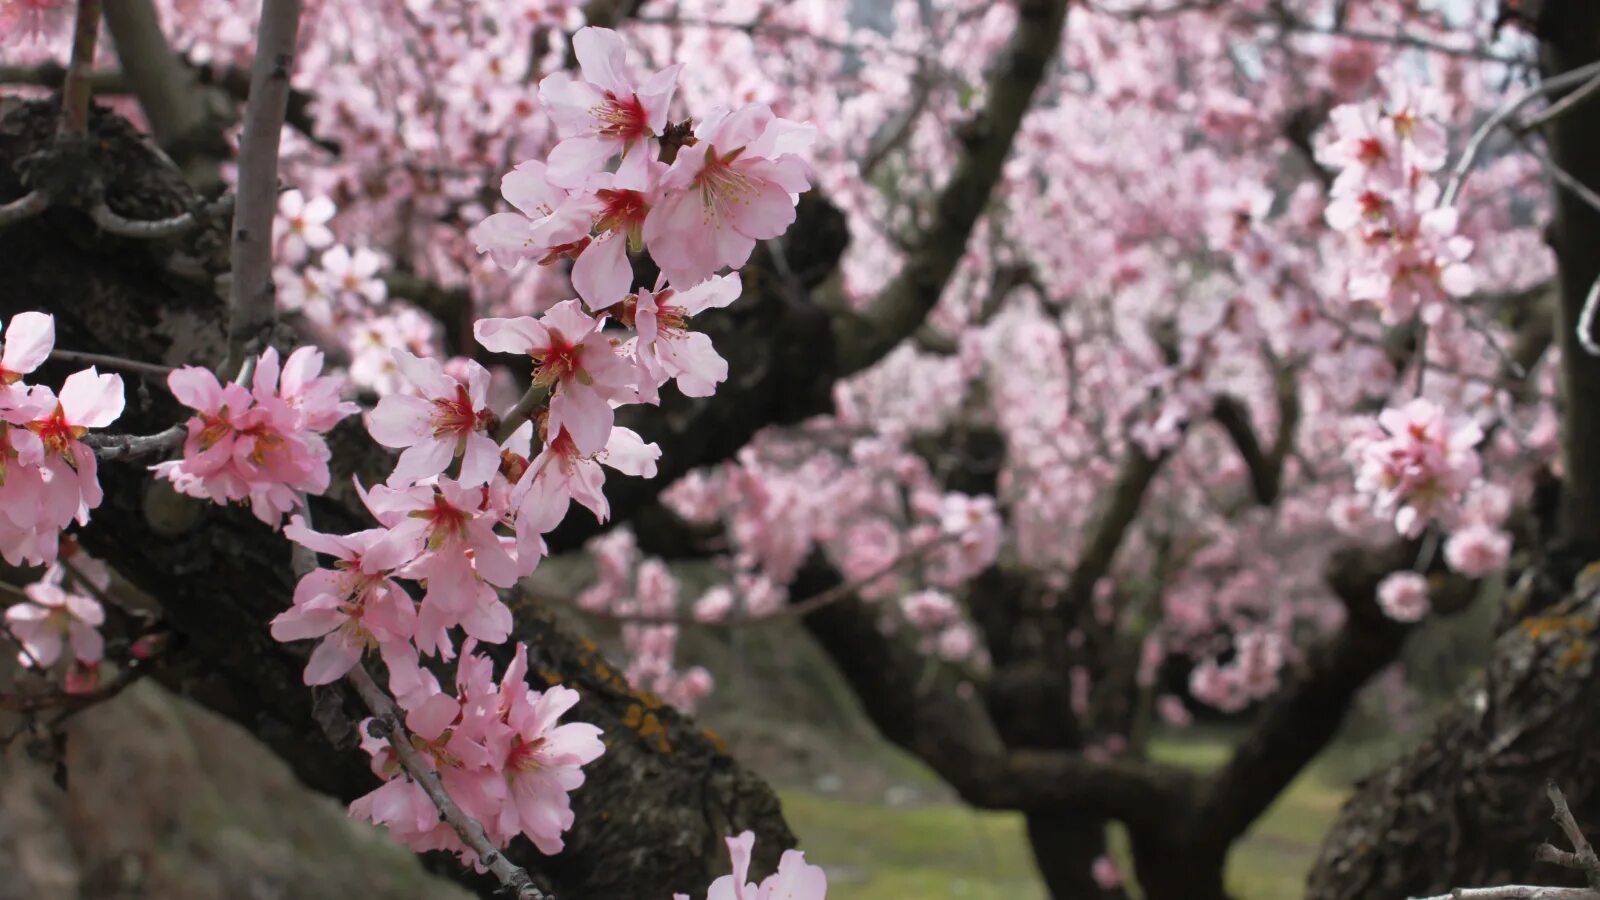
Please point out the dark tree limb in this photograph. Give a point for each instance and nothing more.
(897, 312)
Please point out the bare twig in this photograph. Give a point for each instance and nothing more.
(155, 370)
(24, 207)
(252, 306)
(122, 446)
(1458, 175)
(513, 877)
(75, 93)
(1563, 106)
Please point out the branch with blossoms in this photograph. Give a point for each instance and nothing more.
(463, 513)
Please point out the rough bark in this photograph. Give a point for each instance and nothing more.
(1467, 806)
(652, 816)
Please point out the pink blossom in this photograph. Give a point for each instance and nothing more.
(33, 20)
(534, 230)
(737, 185)
(53, 618)
(665, 345)
(263, 443)
(617, 205)
(303, 224)
(563, 473)
(1403, 596)
(449, 421)
(1416, 467)
(71, 486)
(607, 112)
(543, 761)
(576, 360)
(1105, 873)
(354, 276)
(1477, 550)
(355, 606)
(795, 879)
(463, 560)
(29, 338)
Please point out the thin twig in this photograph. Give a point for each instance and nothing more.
(1561, 107)
(251, 304)
(1458, 175)
(24, 207)
(155, 370)
(513, 877)
(1517, 892)
(122, 446)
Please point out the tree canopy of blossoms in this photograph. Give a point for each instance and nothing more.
(1164, 348)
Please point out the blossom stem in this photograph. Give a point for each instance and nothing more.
(532, 399)
(75, 92)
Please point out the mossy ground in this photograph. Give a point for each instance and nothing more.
(924, 851)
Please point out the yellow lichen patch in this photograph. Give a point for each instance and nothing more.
(589, 645)
(550, 678)
(715, 739)
(1574, 656)
(650, 700)
(1540, 626)
(648, 726)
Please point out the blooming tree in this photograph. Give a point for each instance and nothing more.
(1054, 377)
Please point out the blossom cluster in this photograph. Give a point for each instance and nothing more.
(499, 753)
(1415, 464)
(48, 476)
(463, 513)
(263, 443)
(631, 587)
(1411, 257)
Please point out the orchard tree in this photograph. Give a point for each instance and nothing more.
(1063, 368)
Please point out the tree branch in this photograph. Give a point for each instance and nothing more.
(864, 337)
(252, 297)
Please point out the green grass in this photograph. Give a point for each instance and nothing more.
(923, 852)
